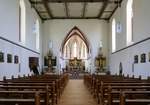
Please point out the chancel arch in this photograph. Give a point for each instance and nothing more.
(75, 45)
(75, 51)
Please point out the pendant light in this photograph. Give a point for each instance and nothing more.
(119, 25)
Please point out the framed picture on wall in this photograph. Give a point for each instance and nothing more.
(9, 58)
(143, 58)
(33, 61)
(136, 59)
(1, 57)
(16, 59)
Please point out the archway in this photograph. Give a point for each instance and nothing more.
(75, 51)
(75, 44)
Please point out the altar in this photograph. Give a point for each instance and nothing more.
(76, 65)
(76, 68)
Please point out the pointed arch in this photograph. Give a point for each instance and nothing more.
(75, 36)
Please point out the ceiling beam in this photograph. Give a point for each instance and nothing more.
(76, 18)
(72, 1)
(66, 9)
(115, 9)
(76, 1)
(42, 11)
(36, 2)
(108, 11)
(113, 12)
(84, 9)
(36, 10)
(105, 3)
(45, 2)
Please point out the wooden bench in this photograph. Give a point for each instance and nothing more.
(112, 80)
(111, 94)
(140, 98)
(35, 84)
(34, 99)
(128, 98)
(99, 85)
(50, 85)
(57, 83)
(49, 94)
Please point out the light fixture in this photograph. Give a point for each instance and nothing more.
(119, 25)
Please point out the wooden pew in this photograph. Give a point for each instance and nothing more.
(52, 85)
(34, 98)
(115, 80)
(48, 92)
(103, 89)
(55, 84)
(129, 98)
(98, 83)
(58, 81)
(111, 94)
(140, 98)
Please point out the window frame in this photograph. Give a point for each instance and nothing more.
(129, 22)
(113, 35)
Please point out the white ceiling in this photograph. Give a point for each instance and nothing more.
(93, 9)
(58, 9)
(40, 7)
(75, 9)
(110, 7)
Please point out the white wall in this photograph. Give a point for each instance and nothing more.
(94, 30)
(9, 29)
(141, 31)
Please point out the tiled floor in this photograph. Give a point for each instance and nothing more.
(76, 93)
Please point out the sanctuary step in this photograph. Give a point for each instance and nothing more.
(76, 76)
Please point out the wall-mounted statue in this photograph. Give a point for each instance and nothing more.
(120, 68)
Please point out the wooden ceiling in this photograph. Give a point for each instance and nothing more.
(75, 9)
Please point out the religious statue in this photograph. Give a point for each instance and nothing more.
(48, 61)
(100, 60)
(120, 69)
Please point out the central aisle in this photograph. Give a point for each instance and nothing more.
(76, 93)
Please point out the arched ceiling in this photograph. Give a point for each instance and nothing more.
(75, 9)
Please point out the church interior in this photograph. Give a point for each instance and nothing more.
(74, 52)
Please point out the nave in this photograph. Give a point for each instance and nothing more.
(76, 93)
(46, 44)
(52, 89)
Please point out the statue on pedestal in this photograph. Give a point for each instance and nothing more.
(100, 61)
(48, 61)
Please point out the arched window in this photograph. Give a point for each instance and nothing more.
(66, 51)
(129, 14)
(75, 45)
(22, 16)
(37, 25)
(113, 35)
(75, 49)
